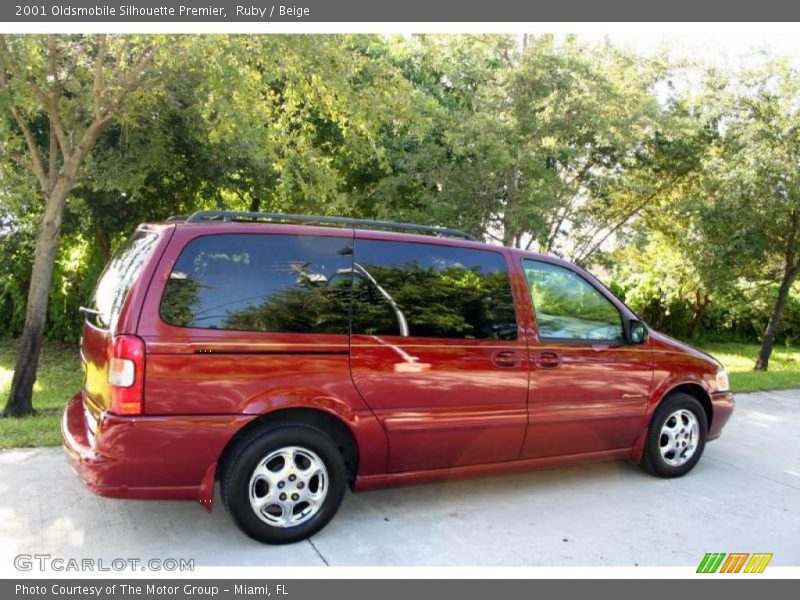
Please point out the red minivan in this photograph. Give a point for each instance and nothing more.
(288, 356)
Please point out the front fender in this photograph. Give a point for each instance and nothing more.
(663, 389)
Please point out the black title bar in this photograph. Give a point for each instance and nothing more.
(413, 11)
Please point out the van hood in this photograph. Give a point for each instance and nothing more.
(666, 342)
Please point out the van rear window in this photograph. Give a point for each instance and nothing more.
(119, 276)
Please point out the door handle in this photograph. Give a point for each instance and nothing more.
(505, 359)
(548, 360)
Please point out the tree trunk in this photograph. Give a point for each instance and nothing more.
(789, 275)
(508, 235)
(103, 240)
(697, 313)
(510, 230)
(30, 342)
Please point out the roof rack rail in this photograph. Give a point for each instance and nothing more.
(231, 216)
(175, 218)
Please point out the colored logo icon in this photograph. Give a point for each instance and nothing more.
(734, 562)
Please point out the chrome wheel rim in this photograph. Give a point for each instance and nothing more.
(679, 437)
(288, 486)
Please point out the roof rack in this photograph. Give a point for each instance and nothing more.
(227, 216)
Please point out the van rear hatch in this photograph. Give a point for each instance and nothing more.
(100, 335)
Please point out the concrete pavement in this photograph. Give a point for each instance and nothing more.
(744, 496)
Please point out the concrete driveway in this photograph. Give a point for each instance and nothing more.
(744, 496)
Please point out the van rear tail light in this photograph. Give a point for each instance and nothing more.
(126, 375)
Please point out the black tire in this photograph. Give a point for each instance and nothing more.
(235, 483)
(652, 460)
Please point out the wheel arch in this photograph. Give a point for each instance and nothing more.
(694, 389)
(314, 418)
(698, 392)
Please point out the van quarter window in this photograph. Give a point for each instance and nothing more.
(568, 307)
(427, 290)
(254, 282)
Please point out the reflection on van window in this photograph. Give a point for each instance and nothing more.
(256, 282)
(568, 307)
(119, 276)
(427, 290)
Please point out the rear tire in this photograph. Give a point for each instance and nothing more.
(284, 485)
(676, 437)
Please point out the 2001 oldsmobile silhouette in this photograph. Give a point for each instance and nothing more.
(287, 359)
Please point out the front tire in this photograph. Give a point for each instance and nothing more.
(677, 436)
(284, 485)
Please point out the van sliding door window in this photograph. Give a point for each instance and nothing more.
(427, 290)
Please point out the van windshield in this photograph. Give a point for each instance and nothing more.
(119, 276)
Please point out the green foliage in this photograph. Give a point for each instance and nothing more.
(750, 202)
(666, 285)
(659, 280)
(58, 378)
(738, 358)
(17, 253)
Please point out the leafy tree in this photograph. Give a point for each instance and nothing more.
(665, 281)
(752, 217)
(430, 170)
(563, 121)
(62, 92)
(298, 113)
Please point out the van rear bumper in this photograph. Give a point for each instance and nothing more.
(147, 457)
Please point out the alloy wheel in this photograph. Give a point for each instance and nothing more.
(288, 486)
(679, 437)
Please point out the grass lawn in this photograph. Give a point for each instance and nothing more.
(60, 377)
(738, 359)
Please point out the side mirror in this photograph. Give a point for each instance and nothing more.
(637, 332)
